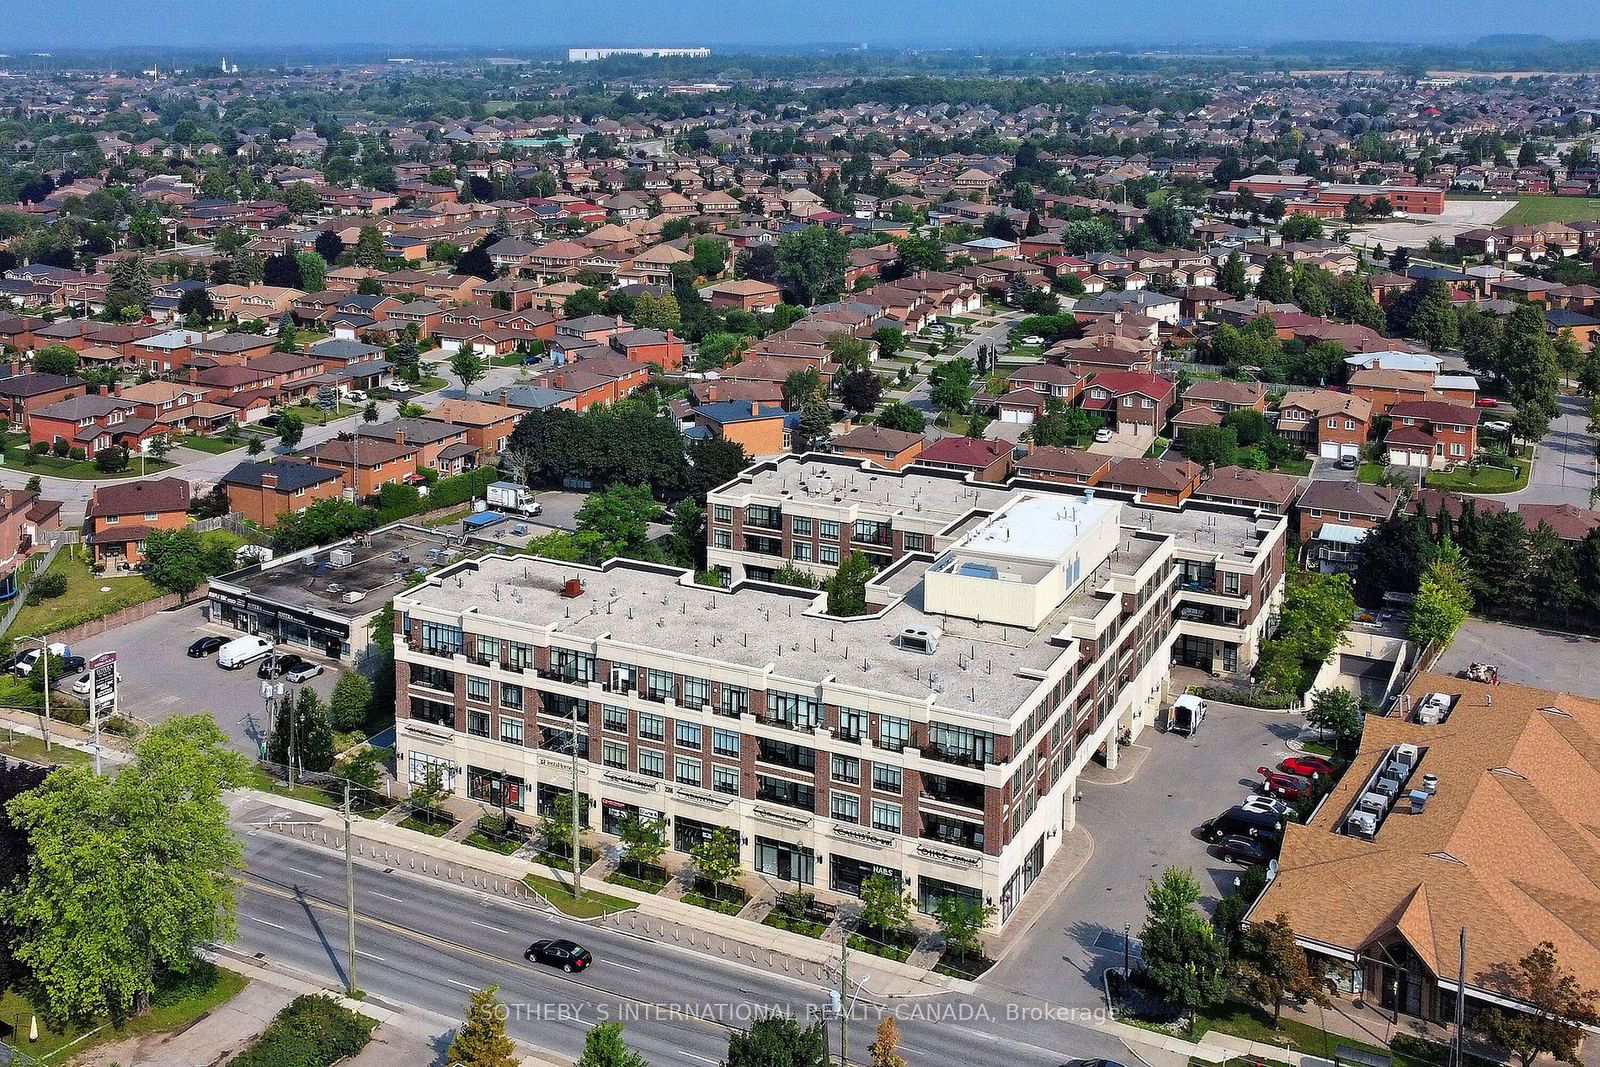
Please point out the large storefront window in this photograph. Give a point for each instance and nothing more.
(848, 874)
(614, 815)
(417, 770)
(498, 790)
(689, 834)
(786, 862)
(932, 890)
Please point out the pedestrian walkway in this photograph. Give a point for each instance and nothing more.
(213, 1038)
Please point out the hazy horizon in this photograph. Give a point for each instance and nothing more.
(488, 24)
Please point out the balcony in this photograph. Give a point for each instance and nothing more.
(952, 832)
(763, 546)
(952, 791)
(790, 757)
(763, 519)
(953, 757)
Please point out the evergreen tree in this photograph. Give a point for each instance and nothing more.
(481, 1040)
(1231, 277)
(1276, 286)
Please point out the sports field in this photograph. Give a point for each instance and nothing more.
(1532, 210)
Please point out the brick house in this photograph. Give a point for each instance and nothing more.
(747, 294)
(374, 464)
(985, 461)
(23, 394)
(122, 515)
(1133, 399)
(263, 491)
(93, 424)
(1067, 466)
(1330, 425)
(1207, 401)
(1332, 518)
(1431, 433)
(1261, 490)
(762, 430)
(1157, 481)
(444, 446)
(487, 426)
(893, 449)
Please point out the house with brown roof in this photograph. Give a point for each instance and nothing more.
(893, 449)
(1329, 424)
(1157, 481)
(1431, 433)
(369, 464)
(1209, 399)
(121, 515)
(986, 461)
(488, 426)
(1570, 523)
(747, 294)
(1489, 831)
(1261, 490)
(1334, 517)
(1065, 466)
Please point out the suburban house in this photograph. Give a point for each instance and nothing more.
(443, 445)
(1334, 517)
(380, 462)
(1328, 424)
(746, 294)
(488, 426)
(1568, 521)
(1431, 433)
(1132, 399)
(1261, 490)
(892, 449)
(761, 429)
(985, 461)
(260, 492)
(1208, 400)
(1067, 466)
(92, 424)
(23, 394)
(120, 516)
(1157, 481)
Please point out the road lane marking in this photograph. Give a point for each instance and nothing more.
(692, 1056)
(625, 967)
(264, 922)
(463, 985)
(913, 1051)
(369, 956)
(386, 896)
(486, 926)
(308, 874)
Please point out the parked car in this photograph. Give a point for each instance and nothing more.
(23, 665)
(1307, 766)
(1102, 435)
(568, 955)
(206, 645)
(1267, 805)
(279, 664)
(1250, 851)
(242, 650)
(1242, 821)
(1349, 463)
(1287, 786)
(1487, 402)
(1496, 426)
(82, 685)
(303, 671)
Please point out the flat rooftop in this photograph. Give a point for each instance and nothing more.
(978, 668)
(384, 559)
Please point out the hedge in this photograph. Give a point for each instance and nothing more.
(312, 1031)
(1249, 698)
(446, 492)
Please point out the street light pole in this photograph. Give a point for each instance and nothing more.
(44, 660)
(349, 895)
(577, 841)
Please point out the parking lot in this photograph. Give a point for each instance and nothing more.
(159, 680)
(1548, 659)
(1141, 827)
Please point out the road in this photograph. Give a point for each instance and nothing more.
(426, 944)
(1564, 466)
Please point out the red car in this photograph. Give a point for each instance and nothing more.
(1307, 766)
(1487, 402)
(1287, 786)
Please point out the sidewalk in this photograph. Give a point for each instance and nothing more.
(651, 916)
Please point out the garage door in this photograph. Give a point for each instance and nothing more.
(1330, 450)
(1349, 450)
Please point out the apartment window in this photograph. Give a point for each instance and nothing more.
(721, 539)
(724, 742)
(725, 780)
(847, 769)
(852, 724)
(478, 723)
(788, 793)
(915, 542)
(658, 685)
(893, 732)
(652, 762)
(510, 695)
(722, 512)
(688, 735)
(652, 727)
(846, 808)
(802, 552)
(869, 532)
(801, 526)
(686, 771)
(614, 754)
(794, 709)
(614, 719)
(441, 639)
(763, 515)
(1230, 583)
(828, 529)
(696, 692)
(886, 817)
(735, 700)
(519, 656)
(961, 745)
(478, 689)
(572, 666)
(829, 554)
(511, 731)
(886, 779)
(488, 650)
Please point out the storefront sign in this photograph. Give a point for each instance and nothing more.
(628, 781)
(705, 800)
(850, 833)
(781, 816)
(941, 856)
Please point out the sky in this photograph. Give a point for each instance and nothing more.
(527, 24)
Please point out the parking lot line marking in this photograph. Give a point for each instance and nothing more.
(486, 926)
(264, 922)
(308, 874)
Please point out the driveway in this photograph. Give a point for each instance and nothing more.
(1548, 659)
(159, 680)
(1564, 464)
(1124, 443)
(1140, 828)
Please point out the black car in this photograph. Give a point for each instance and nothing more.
(1240, 821)
(1092, 1063)
(568, 955)
(205, 646)
(73, 664)
(1250, 851)
(274, 666)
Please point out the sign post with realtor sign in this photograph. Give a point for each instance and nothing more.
(102, 695)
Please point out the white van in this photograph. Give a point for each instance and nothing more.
(242, 650)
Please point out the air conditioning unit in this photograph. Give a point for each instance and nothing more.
(353, 595)
(341, 557)
(1389, 787)
(1373, 803)
(1361, 824)
(1407, 754)
(921, 639)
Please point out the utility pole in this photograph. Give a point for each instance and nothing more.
(44, 662)
(1456, 1059)
(845, 1003)
(349, 895)
(577, 842)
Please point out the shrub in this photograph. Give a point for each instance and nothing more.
(1249, 698)
(60, 448)
(111, 460)
(77, 454)
(313, 1031)
(39, 448)
(47, 586)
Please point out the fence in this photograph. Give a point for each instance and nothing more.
(30, 569)
(234, 525)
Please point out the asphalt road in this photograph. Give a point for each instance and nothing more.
(1564, 466)
(427, 944)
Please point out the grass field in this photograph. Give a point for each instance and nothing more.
(83, 599)
(1488, 480)
(216, 446)
(58, 467)
(591, 905)
(1532, 210)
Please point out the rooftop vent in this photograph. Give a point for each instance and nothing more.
(572, 588)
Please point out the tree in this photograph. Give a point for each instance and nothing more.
(1211, 445)
(129, 288)
(369, 414)
(282, 270)
(154, 842)
(313, 271)
(1301, 227)
(716, 859)
(619, 516)
(1335, 711)
(370, 251)
(847, 588)
(329, 247)
(1270, 967)
(885, 1048)
(890, 341)
(1231, 276)
(813, 263)
(1315, 611)
(759, 263)
(800, 386)
(885, 904)
(481, 1041)
(1444, 598)
(1087, 235)
(603, 1047)
(403, 354)
(112, 459)
(350, 701)
(1183, 956)
(951, 389)
(778, 1041)
(644, 841)
(961, 921)
(175, 560)
(56, 359)
(898, 415)
(849, 352)
(921, 252)
(196, 305)
(468, 366)
(861, 390)
(1276, 286)
(657, 312)
(1561, 1008)
(254, 447)
(1432, 317)
(291, 427)
(1528, 362)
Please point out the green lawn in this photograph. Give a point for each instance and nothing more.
(431, 827)
(1298, 467)
(83, 599)
(1532, 210)
(1487, 480)
(502, 845)
(206, 988)
(431, 383)
(57, 467)
(216, 446)
(1158, 449)
(510, 359)
(591, 905)
(1371, 473)
(31, 750)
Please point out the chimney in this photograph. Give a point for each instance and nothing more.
(669, 335)
(399, 435)
(504, 398)
(755, 407)
(269, 481)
